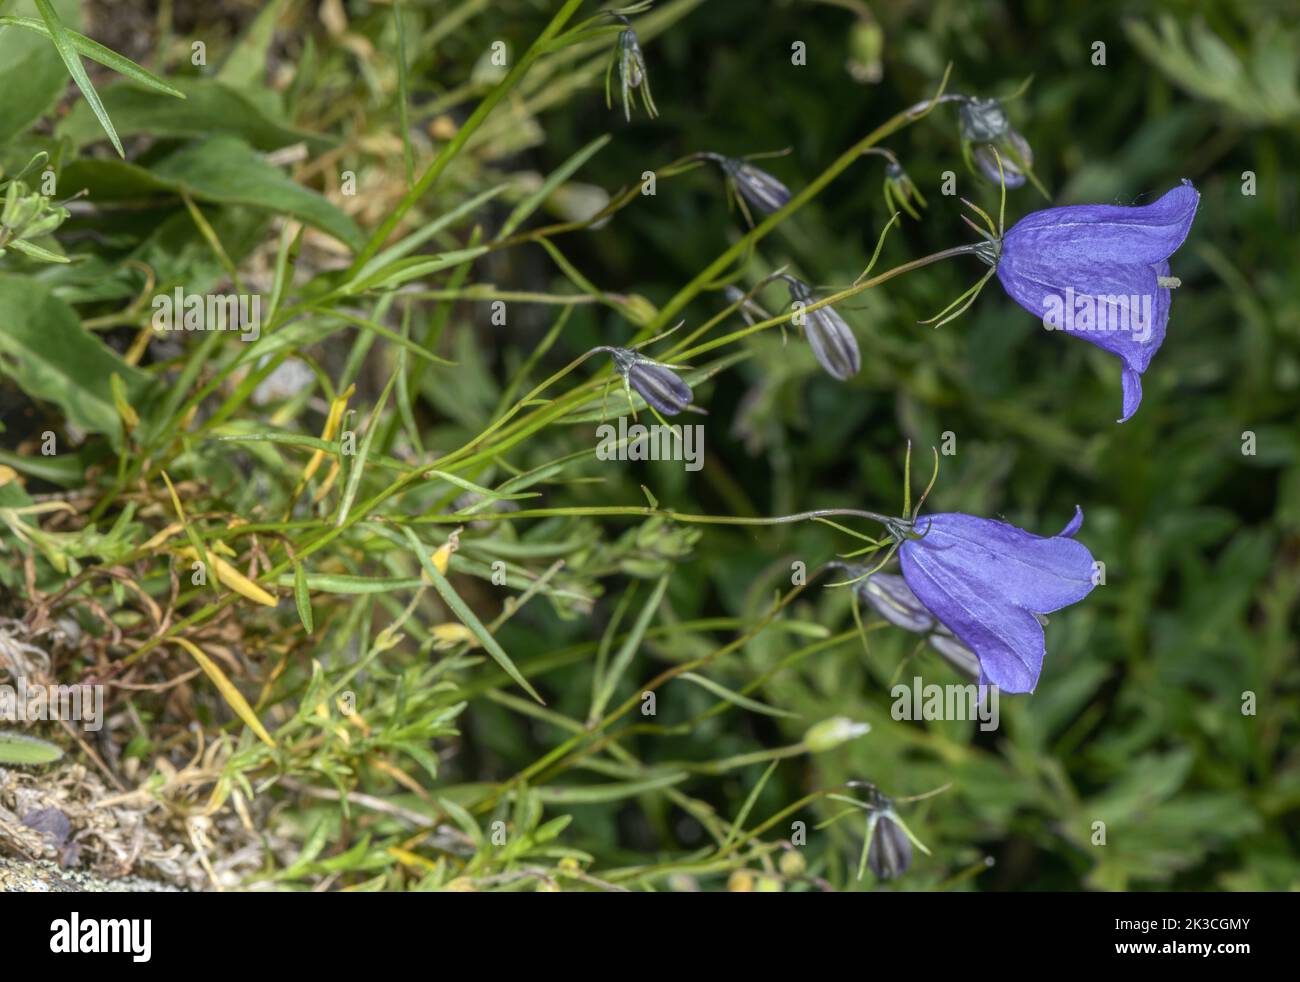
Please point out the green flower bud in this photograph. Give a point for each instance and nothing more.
(830, 733)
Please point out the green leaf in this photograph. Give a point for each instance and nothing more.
(224, 170)
(68, 52)
(245, 67)
(614, 791)
(405, 246)
(17, 748)
(722, 692)
(359, 461)
(98, 53)
(32, 76)
(36, 252)
(631, 643)
(301, 597)
(547, 188)
(44, 348)
(738, 826)
(210, 108)
(467, 616)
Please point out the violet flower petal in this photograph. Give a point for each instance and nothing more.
(1073, 525)
(986, 580)
(1143, 234)
(1127, 308)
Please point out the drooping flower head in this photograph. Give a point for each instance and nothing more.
(756, 186)
(986, 128)
(889, 596)
(632, 76)
(889, 853)
(752, 186)
(887, 846)
(989, 583)
(1102, 273)
(901, 192)
(749, 309)
(828, 334)
(656, 383)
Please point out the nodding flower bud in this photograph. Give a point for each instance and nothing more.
(661, 387)
(1017, 157)
(985, 128)
(829, 335)
(900, 192)
(955, 653)
(749, 309)
(831, 733)
(889, 596)
(632, 74)
(758, 187)
(890, 852)
(632, 62)
(982, 120)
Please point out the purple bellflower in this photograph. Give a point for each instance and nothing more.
(1100, 272)
(989, 583)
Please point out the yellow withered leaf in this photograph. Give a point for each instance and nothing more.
(332, 421)
(441, 558)
(234, 698)
(234, 579)
(446, 635)
(130, 419)
(162, 536)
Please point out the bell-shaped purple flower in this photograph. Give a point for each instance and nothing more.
(1101, 272)
(990, 583)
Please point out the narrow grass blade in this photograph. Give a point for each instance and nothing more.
(629, 648)
(722, 692)
(557, 177)
(98, 53)
(302, 597)
(467, 617)
(738, 826)
(68, 52)
(359, 464)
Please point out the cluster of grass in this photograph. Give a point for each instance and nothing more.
(370, 612)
